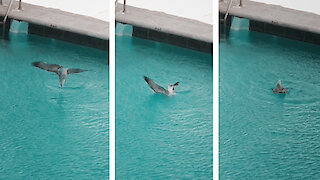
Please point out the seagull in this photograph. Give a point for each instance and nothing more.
(158, 89)
(279, 89)
(59, 70)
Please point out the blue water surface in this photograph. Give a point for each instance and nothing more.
(47, 132)
(160, 137)
(263, 135)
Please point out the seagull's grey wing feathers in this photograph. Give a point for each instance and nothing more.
(155, 87)
(278, 89)
(70, 71)
(278, 86)
(47, 67)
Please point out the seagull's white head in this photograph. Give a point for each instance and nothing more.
(171, 88)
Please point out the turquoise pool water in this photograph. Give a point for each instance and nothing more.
(47, 132)
(159, 137)
(263, 135)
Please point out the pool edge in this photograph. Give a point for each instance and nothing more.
(166, 28)
(277, 20)
(61, 25)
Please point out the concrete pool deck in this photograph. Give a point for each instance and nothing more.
(167, 28)
(61, 25)
(277, 20)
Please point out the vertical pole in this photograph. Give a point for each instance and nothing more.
(240, 4)
(20, 8)
(124, 6)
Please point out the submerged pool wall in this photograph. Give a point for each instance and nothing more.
(68, 36)
(172, 39)
(6, 28)
(287, 32)
(165, 28)
(276, 20)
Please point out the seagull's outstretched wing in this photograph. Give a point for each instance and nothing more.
(155, 87)
(279, 89)
(47, 67)
(278, 86)
(70, 71)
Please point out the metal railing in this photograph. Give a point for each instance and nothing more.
(5, 18)
(7, 13)
(8, 10)
(124, 5)
(19, 8)
(240, 3)
(224, 20)
(227, 12)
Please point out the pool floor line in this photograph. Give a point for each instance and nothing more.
(277, 20)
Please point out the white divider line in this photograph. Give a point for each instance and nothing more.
(111, 90)
(215, 87)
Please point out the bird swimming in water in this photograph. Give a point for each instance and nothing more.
(158, 89)
(59, 70)
(279, 89)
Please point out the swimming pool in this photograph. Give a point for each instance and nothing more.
(47, 132)
(160, 137)
(263, 135)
